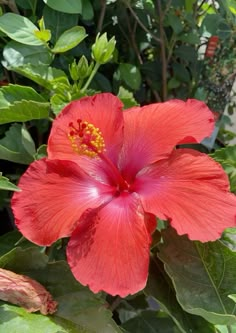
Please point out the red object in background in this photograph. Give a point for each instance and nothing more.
(4, 83)
(211, 46)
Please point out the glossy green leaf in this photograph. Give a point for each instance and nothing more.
(227, 158)
(27, 141)
(77, 306)
(5, 184)
(58, 22)
(17, 320)
(87, 10)
(229, 238)
(48, 77)
(159, 287)
(211, 23)
(226, 329)
(19, 28)
(69, 39)
(130, 74)
(17, 54)
(12, 147)
(175, 22)
(127, 98)
(202, 270)
(41, 152)
(11, 240)
(20, 103)
(58, 102)
(65, 6)
(27, 4)
(148, 322)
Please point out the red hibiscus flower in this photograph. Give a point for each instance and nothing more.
(109, 173)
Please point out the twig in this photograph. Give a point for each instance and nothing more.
(154, 91)
(140, 23)
(115, 304)
(11, 4)
(163, 51)
(201, 4)
(133, 41)
(102, 15)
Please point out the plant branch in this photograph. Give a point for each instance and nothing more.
(132, 39)
(163, 51)
(140, 23)
(102, 15)
(11, 4)
(94, 71)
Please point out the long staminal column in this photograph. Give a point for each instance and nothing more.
(86, 139)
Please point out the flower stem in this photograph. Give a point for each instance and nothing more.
(94, 71)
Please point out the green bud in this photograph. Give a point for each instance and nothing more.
(83, 68)
(73, 69)
(102, 49)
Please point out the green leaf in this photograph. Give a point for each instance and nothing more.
(12, 146)
(21, 103)
(175, 22)
(65, 6)
(229, 238)
(19, 28)
(48, 77)
(5, 184)
(27, 141)
(211, 23)
(186, 52)
(202, 276)
(127, 98)
(181, 73)
(11, 240)
(58, 102)
(190, 37)
(173, 83)
(41, 152)
(78, 307)
(189, 5)
(233, 297)
(17, 54)
(87, 10)
(58, 22)
(148, 322)
(130, 74)
(26, 4)
(69, 39)
(17, 320)
(159, 287)
(227, 158)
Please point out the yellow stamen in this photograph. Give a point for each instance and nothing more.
(86, 139)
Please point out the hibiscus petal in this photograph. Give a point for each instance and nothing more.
(109, 250)
(101, 110)
(191, 190)
(152, 131)
(54, 195)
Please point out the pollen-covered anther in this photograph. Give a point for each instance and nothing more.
(85, 138)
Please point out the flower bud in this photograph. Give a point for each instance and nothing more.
(83, 68)
(73, 69)
(102, 49)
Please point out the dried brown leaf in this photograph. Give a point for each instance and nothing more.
(26, 292)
